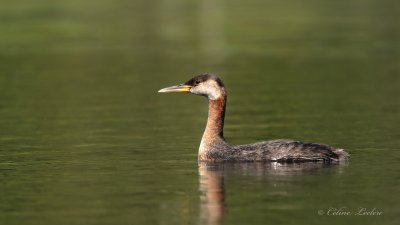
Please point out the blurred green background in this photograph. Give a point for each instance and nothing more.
(86, 139)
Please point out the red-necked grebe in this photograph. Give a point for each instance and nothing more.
(214, 148)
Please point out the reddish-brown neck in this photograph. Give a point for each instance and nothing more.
(216, 116)
(213, 137)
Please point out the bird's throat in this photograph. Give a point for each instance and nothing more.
(214, 131)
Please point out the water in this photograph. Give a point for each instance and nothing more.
(86, 139)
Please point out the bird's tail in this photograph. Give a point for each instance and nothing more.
(342, 154)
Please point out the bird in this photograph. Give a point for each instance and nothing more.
(214, 148)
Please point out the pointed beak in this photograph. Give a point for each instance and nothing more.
(177, 88)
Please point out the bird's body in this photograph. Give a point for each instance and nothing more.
(214, 148)
(276, 150)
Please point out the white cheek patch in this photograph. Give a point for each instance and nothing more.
(214, 93)
(209, 89)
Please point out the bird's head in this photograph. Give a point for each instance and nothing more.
(207, 85)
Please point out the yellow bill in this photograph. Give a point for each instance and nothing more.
(177, 88)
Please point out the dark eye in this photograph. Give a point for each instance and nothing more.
(197, 82)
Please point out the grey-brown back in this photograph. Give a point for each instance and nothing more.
(276, 150)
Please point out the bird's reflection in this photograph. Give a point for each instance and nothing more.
(212, 188)
(212, 198)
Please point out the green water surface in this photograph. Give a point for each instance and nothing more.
(86, 139)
